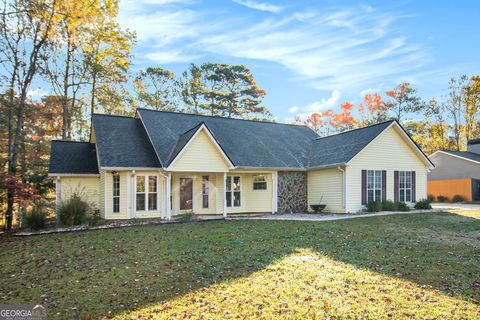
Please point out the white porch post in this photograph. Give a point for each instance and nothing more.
(224, 194)
(274, 192)
(169, 198)
(58, 194)
(132, 191)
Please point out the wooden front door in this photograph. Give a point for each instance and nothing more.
(186, 193)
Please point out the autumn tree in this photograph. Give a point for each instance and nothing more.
(231, 91)
(472, 108)
(373, 109)
(156, 88)
(191, 88)
(403, 101)
(26, 27)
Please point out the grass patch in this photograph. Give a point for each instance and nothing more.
(419, 265)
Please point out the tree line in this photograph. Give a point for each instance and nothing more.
(81, 54)
(446, 123)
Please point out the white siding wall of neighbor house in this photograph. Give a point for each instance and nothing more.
(86, 187)
(326, 183)
(389, 152)
(200, 155)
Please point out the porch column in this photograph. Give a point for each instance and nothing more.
(274, 192)
(132, 195)
(58, 195)
(169, 194)
(224, 194)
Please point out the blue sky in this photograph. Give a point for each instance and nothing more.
(312, 55)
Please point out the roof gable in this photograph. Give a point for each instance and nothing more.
(463, 155)
(198, 150)
(248, 144)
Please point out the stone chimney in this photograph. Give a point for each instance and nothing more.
(473, 146)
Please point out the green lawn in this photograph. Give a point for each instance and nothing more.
(423, 266)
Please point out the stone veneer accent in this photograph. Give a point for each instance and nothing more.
(292, 192)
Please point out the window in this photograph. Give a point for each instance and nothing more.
(205, 191)
(259, 183)
(405, 186)
(147, 195)
(374, 185)
(116, 193)
(233, 192)
(152, 193)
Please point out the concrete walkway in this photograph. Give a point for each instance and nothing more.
(326, 217)
(456, 206)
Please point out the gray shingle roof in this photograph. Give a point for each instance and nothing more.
(465, 154)
(341, 148)
(123, 142)
(67, 157)
(246, 143)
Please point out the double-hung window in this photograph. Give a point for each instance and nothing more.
(374, 185)
(233, 192)
(259, 182)
(405, 186)
(146, 193)
(116, 193)
(205, 191)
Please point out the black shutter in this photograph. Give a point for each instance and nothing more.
(395, 186)
(414, 189)
(364, 187)
(384, 185)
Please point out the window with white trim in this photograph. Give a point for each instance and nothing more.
(374, 185)
(233, 192)
(405, 186)
(146, 193)
(205, 191)
(116, 193)
(259, 182)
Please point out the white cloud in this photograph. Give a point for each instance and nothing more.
(164, 56)
(262, 6)
(294, 109)
(36, 93)
(324, 103)
(337, 48)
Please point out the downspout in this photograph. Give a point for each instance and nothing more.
(344, 187)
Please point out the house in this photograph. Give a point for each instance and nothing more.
(161, 164)
(456, 173)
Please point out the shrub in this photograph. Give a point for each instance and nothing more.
(73, 212)
(458, 198)
(36, 218)
(374, 206)
(431, 197)
(402, 206)
(389, 205)
(442, 199)
(423, 204)
(95, 219)
(186, 217)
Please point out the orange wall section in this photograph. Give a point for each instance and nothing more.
(450, 188)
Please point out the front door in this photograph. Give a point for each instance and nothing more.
(186, 193)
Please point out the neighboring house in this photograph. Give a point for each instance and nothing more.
(456, 173)
(161, 164)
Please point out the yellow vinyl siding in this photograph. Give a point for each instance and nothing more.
(214, 193)
(108, 195)
(251, 200)
(200, 155)
(86, 187)
(388, 152)
(326, 183)
(160, 196)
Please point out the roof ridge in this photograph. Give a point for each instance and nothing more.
(58, 140)
(220, 117)
(355, 129)
(113, 115)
